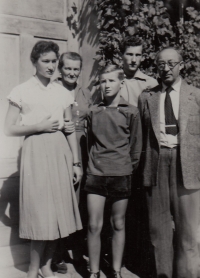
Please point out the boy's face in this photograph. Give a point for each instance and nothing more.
(110, 84)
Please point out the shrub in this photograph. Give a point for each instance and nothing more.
(152, 23)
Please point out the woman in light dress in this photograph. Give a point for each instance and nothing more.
(49, 162)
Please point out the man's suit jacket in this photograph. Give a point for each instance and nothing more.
(189, 128)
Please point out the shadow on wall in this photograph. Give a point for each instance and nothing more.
(16, 249)
(88, 16)
(88, 38)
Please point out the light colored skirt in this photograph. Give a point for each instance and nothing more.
(48, 205)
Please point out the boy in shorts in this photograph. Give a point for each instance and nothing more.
(115, 143)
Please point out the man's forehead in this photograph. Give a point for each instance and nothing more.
(168, 54)
(134, 49)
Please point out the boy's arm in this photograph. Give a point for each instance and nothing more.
(135, 139)
(89, 132)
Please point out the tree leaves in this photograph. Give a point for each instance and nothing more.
(152, 23)
(131, 30)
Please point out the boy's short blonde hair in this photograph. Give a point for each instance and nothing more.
(113, 68)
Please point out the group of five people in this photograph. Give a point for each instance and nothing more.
(139, 121)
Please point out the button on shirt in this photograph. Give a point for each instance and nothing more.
(133, 87)
(80, 109)
(82, 101)
(169, 140)
(115, 139)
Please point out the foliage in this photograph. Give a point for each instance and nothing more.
(151, 22)
(189, 40)
(72, 20)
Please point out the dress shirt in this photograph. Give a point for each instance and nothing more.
(133, 87)
(169, 140)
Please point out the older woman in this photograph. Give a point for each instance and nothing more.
(70, 64)
(48, 206)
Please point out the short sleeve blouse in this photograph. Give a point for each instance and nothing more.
(37, 101)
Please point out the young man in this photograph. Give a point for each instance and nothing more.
(115, 139)
(171, 158)
(135, 81)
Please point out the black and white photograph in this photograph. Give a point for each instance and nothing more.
(99, 139)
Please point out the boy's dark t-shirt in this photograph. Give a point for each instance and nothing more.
(115, 139)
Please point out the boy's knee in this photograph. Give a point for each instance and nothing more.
(94, 228)
(118, 224)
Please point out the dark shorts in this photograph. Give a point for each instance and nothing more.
(109, 186)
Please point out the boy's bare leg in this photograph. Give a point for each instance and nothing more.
(37, 248)
(95, 204)
(49, 251)
(118, 224)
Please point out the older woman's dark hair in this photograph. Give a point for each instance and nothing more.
(43, 47)
(113, 68)
(71, 56)
(130, 41)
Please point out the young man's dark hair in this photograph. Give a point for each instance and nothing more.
(130, 41)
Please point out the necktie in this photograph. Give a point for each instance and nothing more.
(171, 124)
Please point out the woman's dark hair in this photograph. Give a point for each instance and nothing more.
(71, 56)
(43, 47)
(130, 41)
(113, 68)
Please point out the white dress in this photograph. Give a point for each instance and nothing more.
(48, 205)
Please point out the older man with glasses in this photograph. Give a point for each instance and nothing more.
(171, 167)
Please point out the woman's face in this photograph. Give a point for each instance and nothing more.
(46, 64)
(70, 71)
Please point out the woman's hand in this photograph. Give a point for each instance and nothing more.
(48, 126)
(69, 126)
(12, 128)
(77, 174)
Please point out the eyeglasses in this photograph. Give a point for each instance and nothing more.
(171, 65)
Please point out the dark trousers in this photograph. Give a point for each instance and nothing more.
(176, 252)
